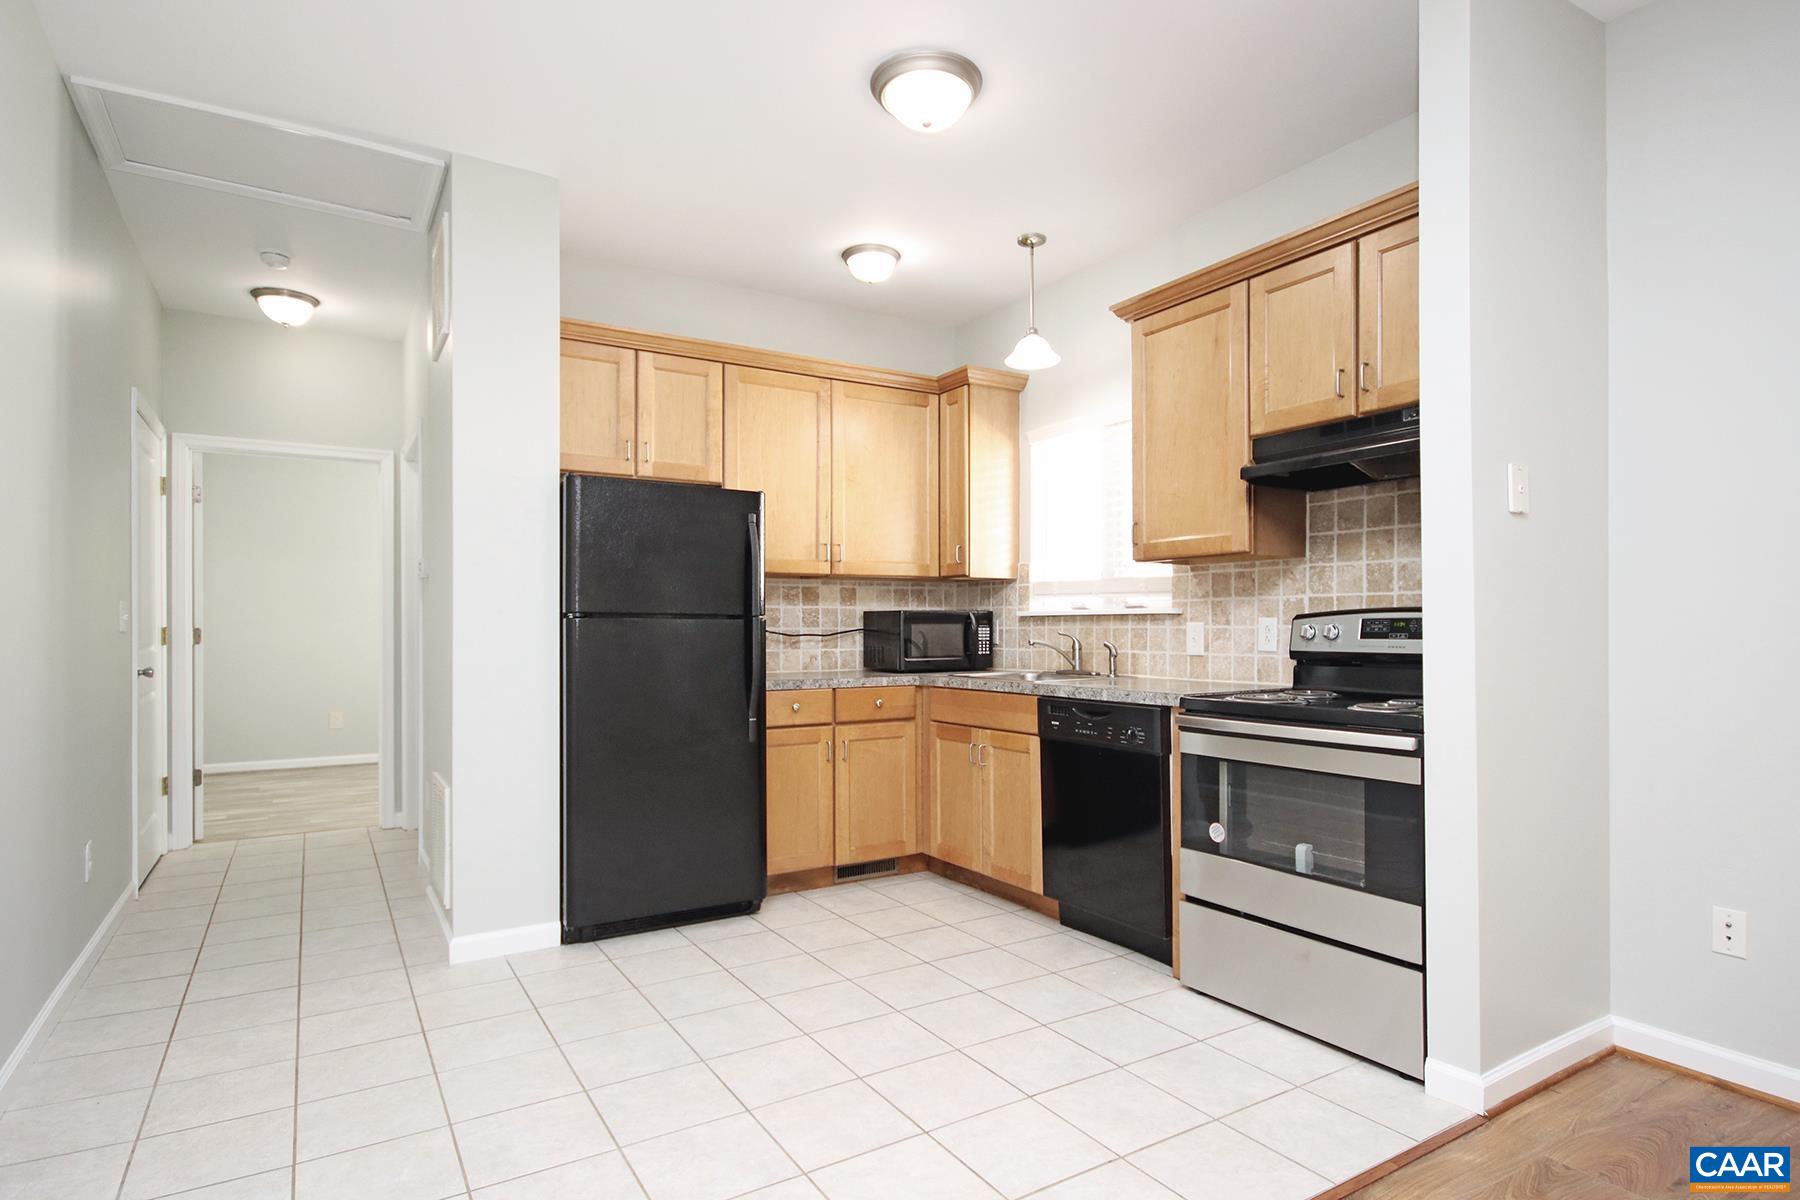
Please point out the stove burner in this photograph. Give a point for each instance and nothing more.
(1389, 706)
(1284, 696)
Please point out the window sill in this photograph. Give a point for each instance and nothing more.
(1108, 611)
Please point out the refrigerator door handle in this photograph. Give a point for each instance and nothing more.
(756, 567)
(757, 649)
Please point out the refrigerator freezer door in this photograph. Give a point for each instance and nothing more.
(662, 769)
(632, 546)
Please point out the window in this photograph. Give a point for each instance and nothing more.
(1081, 525)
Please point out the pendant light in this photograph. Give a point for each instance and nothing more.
(1032, 353)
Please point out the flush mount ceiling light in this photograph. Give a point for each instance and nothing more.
(285, 306)
(871, 262)
(926, 90)
(1032, 353)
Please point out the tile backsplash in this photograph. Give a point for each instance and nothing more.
(1362, 550)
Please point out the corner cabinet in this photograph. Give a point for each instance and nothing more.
(778, 442)
(978, 477)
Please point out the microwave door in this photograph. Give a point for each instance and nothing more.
(936, 642)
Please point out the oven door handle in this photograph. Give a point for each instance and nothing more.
(1317, 735)
(1322, 760)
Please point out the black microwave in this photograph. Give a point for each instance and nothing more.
(912, 639)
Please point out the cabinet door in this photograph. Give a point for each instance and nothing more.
(798, 770)
(680, 419)
(954, 830)
(953, 483)
(877, 807)
(1012, 809)
(599, 408)
(884, 472)
(1387, 325)
(1303, 342)
(778, 442)
(993, 484)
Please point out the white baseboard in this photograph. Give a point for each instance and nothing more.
(46, 1017)
(517, 940)
(1479, 1093)
(291, 764)
(1745, 1070)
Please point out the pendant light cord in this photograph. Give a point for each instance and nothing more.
(1031, 314)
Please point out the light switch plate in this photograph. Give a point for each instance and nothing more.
(1196, 637)
(1268, 635)
(336, 720)
(1518, 489)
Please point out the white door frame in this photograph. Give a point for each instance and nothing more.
(184, 681)
(412, 657)
(138, 411)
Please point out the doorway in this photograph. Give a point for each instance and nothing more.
(150, 635)
(285, 699)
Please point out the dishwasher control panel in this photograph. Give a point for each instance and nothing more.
(1136, 728)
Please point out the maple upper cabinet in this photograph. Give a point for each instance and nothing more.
(1189, 430)
(1387, 324)
(599, 408)
(954, 824)
(1303, 342)
(778, 442)
(884, 481)
(680, 418)
(877, 790)
(800, 812)
(1012, 808)
(978, 481)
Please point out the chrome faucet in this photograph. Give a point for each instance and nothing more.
(1112, 660)
(1073, 659)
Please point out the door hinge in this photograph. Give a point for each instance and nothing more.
(165, 785)
(165, 635)
(199, 777)
(196, 493)
(162, 486)
(196, 635)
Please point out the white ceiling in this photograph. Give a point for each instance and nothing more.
(739, 142)
(1607, 10)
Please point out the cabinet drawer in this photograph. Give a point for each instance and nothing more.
(810, 706)
(877, 704)
(987, 710)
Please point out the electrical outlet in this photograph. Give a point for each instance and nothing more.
(336, 720)
(1730, 932)
(1196, 637)
(87, 862)
(1268, 635)
(1518, 489)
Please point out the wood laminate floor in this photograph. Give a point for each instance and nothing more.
(1619, 1130)
(253, 804)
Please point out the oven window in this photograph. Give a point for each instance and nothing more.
(935, 638)
(1357, 833)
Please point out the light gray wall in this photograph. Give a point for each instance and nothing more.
(78, 329)
(1703, 107)
(251, 378)
(1512, 163)
(292, 561)
(658, 302)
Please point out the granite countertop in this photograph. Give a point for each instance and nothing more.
(1126, 689)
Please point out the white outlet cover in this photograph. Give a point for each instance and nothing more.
(336, 720)
(1196, 637)
(1731, 932)
(1268, 635)
(1518, 489)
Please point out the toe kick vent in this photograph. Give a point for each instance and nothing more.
(882, 866)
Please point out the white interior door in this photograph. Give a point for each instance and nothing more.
(152, 655)
(198, 677)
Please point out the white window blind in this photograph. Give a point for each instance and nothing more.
(1081, 525)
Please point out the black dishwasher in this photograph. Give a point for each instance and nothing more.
(1107, 846)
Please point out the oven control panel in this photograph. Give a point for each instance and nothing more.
(1358, 631)
(1132, 727)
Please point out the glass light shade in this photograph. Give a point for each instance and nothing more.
(927, 100)
(1032, 353)
(285, 307)
(870, 263)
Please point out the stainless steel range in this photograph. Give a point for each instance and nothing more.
(1303, 839)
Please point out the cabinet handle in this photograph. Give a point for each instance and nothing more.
(795, 706)
(1362, 376)
(1338, 384)
(879, 702)
(846, 749)
(646, 449)
(959, 552)
(981, 755)
(837, 553)
(628, 444)
(828, 745)
(971, 755)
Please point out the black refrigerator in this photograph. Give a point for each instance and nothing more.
(662, 704)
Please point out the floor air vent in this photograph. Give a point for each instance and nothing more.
(884, 866)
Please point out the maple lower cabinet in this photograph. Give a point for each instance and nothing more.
(680, 418)
(599, 408)
(1190, 437)
(801, 812)
(1011, 793)
(884, 481)
(778, 442)
(877, 790)
(1387, 320)
(954, 821)
(1303, 342)
(978, 481)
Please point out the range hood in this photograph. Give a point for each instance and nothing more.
(1342, 454)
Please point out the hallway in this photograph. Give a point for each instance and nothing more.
(259, 804)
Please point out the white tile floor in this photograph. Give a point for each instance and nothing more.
(277, 1018)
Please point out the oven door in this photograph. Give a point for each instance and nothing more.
(937, 641)
(1326, 837)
